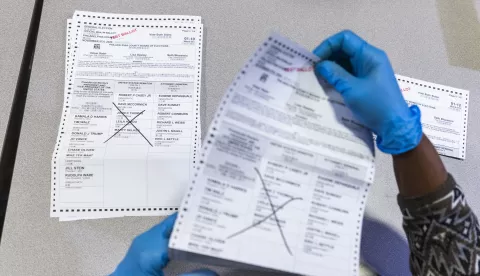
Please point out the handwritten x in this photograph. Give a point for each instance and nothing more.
(129, 122)
(274, 214)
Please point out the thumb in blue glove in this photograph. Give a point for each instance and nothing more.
(148, 254)
(362, 74)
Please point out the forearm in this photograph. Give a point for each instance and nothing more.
(419, 171)
(436, 216)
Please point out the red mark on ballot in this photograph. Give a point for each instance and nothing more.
(123, 34)
(405, 89)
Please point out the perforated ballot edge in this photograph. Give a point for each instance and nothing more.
(87, 15)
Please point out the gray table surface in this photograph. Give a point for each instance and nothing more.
(14, 21)
(417, 35)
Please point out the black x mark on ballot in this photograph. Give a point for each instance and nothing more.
(129, 122)
(273, 214)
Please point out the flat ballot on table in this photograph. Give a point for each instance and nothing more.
(130, 125)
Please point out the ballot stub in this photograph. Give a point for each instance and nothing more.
(130, 125)
(444, 113)
(283, 174)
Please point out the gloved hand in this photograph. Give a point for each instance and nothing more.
(148, 254)
(365, 78)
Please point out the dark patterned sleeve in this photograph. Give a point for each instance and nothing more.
(442, 232)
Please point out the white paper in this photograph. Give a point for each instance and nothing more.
(444, 114)
(156, 68)
(68, 61)
(127, 20)
(136, 18)
(280, 145)
(112, 18)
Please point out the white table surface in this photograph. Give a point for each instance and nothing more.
(410, 31)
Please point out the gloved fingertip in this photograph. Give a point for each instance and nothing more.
(415, 110)
(335, 74)
(168, 223)
(324, 50)
(323, 69)
(316, 51)
(200, 272)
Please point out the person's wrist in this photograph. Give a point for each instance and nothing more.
(401, 134)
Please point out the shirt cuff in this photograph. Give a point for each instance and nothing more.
(415, 203)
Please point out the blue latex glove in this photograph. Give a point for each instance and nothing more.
(148, 254)
(365, 78)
